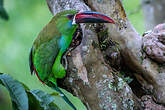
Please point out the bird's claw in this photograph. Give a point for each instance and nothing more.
(65, 62)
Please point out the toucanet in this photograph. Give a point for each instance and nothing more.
(54, 40)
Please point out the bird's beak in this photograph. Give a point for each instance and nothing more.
(92, 17)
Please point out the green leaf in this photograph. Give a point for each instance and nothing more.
(64, 106)
(25, 87)
(45, 100)
(16, 90)
(34, 104)
(5, 100)
(59, 101)
(75, 101)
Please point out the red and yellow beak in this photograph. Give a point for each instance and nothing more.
(92, 17)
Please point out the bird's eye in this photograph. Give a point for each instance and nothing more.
(70, 17)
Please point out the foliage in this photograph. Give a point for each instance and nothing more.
(16, 90)
(25, 99)
(125, 77)
(3, 13)
(5, 100)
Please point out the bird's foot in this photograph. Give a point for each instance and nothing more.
(75, 42)
(64, 58)
(65, 61)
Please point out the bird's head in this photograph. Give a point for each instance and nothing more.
(69, 19)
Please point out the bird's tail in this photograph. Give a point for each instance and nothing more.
(64, 97)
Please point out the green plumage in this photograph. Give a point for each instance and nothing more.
(49, 47)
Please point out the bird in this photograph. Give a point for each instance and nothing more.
(3, 13)
(53, 41)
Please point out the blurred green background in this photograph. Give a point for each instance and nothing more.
(135, 15)
(27, 18)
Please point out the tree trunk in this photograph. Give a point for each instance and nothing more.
(90, 78)
(131, 42)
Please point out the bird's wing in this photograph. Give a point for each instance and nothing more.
(42, 59)
(44, 52)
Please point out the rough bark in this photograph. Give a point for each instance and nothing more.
(131, 42)
(89, 77)
(153, 12)
(94, 76)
